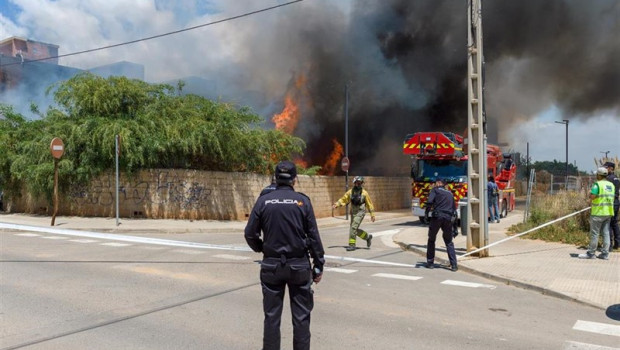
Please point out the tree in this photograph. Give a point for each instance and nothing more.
(158, 129)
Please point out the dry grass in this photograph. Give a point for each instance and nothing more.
(547, 207)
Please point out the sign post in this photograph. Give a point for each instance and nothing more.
(117, 142)
(57, 148)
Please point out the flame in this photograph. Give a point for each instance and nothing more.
(331, 164)
(288, 119)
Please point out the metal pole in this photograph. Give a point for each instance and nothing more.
(55, 191)
(117, 190)
(346, 141)
(566, 179)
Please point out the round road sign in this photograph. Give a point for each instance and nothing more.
(344, 164)
(57, 147)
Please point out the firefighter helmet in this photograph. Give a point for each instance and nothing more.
(358, 179)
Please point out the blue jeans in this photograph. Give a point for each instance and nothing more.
(599, 224)
(493, 209)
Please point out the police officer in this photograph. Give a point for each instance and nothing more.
(360, 202)
(271, 187)
(290, 233)
(614, 231)
(440, 206)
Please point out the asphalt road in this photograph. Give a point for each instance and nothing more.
(71, 292)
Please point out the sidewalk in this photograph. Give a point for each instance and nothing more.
(550, 268)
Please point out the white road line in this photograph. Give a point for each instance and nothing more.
(53, 237)
(399, 277)
(573, 345)
(83, 240)
(113, 244)
(231, 257)
(378, 262)
(385, 233)
(187, 251)
(339, 270)
(596, 327)
(27, 234)
(122, 238)
(468, 284)
(167, 242)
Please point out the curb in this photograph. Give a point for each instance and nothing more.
(504, 280)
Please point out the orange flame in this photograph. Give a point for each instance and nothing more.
(288, 119)
(333, 159)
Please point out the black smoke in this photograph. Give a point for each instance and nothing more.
(406, 65)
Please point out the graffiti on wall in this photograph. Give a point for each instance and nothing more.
(163, 188)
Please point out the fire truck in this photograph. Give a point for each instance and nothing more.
(442, 155)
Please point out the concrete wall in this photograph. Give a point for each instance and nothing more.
(203, 195)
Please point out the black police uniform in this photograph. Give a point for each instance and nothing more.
(268, 189)
(287, 221)
(614, 231)
(441, 202)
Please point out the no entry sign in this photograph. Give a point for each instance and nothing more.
(57, 147)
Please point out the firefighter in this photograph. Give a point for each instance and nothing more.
(360, 202)
(440, 207)
(614, 231)
(290, 233)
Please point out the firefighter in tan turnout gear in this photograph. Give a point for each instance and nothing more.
(360, 202)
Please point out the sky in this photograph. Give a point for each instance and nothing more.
(404, 62)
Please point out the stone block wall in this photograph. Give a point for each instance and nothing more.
(203, 195)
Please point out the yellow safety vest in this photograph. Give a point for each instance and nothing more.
(603, 204)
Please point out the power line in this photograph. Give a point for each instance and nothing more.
(159, 35)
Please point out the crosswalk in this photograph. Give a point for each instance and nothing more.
(604, 329)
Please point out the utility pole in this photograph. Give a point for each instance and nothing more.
(477, 228)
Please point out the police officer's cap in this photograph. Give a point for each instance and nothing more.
(285, 172)
(610, 165)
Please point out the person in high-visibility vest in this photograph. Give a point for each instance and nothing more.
(360, 202)
(602, 202)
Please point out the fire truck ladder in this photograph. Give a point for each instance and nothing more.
(477, 228)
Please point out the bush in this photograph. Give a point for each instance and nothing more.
(548, 207)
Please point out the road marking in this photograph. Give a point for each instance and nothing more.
(385, 233)
(53, 237)
(27, 234)
(231, 257)
(399, 277)
(83, 240)
(187, 251)
(167, 242)
(339, 270)
(468, 284)
(113, 244)
(573, 345)
(596, 327)
(122, 238)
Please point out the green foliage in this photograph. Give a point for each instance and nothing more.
(158, 129)
(545, 208)
(556, 168)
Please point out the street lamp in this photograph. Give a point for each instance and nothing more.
(564, 121)
(606, 153)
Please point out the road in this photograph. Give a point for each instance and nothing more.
(93, 292)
